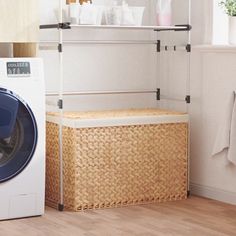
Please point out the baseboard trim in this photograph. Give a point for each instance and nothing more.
(213, 193)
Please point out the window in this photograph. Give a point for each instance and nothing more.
(220, 24)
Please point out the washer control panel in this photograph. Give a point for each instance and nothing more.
(18, 69)
(21, 69)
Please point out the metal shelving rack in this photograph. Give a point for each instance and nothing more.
(61, 26)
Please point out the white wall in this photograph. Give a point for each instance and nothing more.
(213, 82)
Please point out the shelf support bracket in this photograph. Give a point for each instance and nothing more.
(60, 104)
(158, 45)
(188, 99)
(188, 48)
(59, 47)
(158, 94)
(63, 25)
(188, 28)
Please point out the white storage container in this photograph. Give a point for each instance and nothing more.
(118, 15)
(91, 14)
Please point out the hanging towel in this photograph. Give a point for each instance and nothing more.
(226, 136)
(232, 144)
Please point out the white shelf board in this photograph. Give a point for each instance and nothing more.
(227, 48)
(118, 27)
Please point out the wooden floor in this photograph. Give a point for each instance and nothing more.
(195, 216)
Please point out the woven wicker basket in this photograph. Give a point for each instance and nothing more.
(119, 165)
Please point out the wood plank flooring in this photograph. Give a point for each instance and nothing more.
(193, 217)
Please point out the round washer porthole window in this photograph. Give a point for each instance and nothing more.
(18, 135)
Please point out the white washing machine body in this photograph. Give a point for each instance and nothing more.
(22, 140)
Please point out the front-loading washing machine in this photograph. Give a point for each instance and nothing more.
(22, 137)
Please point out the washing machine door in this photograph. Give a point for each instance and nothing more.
(18, 135)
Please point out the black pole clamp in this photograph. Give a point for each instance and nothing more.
(188, 99)
(63, 25)
(60, 104)
(158, 94)
(158, 45)
(187, 27)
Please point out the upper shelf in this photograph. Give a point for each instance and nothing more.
(118, 27)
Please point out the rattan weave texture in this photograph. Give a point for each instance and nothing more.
(117, 166)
